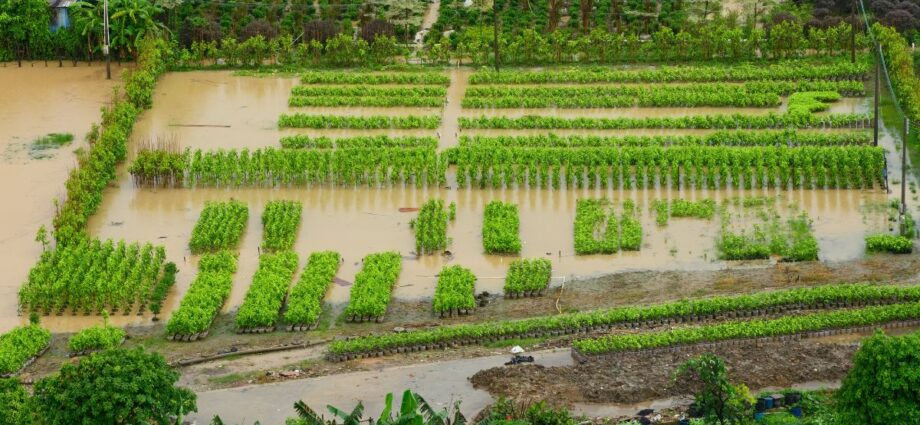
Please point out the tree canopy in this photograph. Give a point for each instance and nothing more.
(884, 385)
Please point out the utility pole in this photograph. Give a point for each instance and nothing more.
(105, 46)
(904, 170)
(878, 93)
(853, 34)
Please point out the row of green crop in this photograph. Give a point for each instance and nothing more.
(361, 90)
(21, 344)
(570, 98)
(528, 276)
(342, 167)
(748, 95)
(219, 227)
(91, 276)
(262, 304)
(280, 221)
(791, 70)
(895, 244)
(95, 338)
(664, 210)
(305, 302)
(359, 122)
(374, 101)
(455, 291)
(205, 297)
(339, 77)
(789, 325)
(719, 138)
(157, 168)
(108, 145)
(726, 122)
(808, 297)
(500, 228)
(713, 167)
(370, 294)
(303, 141)
(598, 231)
(430, 227)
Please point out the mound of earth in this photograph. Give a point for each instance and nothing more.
(637, 377)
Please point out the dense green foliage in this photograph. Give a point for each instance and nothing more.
(895, 244)
(430, 227)
(14, 402)
(500, 228)
(114, 387)
(528, 276)
(206, 295)
(682, 166)
(219, 227)
(881, 388)
(280, 221)
(358, 122)
(899, 62)
(455, 291)
(598, 230)
(95, 338)
(788, 325)
(715, 398)
(303, 141)
(166, 282)
(262, 305)
(305, 303)
(718, 138)
(89, 276)
(370, 293)
(21, 344)
(808, 297)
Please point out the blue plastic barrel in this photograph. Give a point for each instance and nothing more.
(796, 411)
(768, 402)
(759, 416)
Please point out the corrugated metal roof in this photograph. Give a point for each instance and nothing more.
(61, 3)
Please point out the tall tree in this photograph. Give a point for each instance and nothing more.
(114, 387)
(716, 398)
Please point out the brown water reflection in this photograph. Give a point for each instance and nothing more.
(38, 100)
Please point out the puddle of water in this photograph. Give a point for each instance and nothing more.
(39, 100)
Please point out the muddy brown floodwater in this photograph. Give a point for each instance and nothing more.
(38, 100)
(241, 112)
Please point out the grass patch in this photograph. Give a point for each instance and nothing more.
(230, 378)
(49, 141)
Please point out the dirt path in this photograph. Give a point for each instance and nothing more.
(639, 377)
(440, 382)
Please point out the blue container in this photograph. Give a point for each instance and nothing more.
(759, 416)
(796, 411)
(684, 422)
(768, 402)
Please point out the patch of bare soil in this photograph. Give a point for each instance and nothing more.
(637, 377)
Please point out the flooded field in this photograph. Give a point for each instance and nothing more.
(217, 110)
(38, 100)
